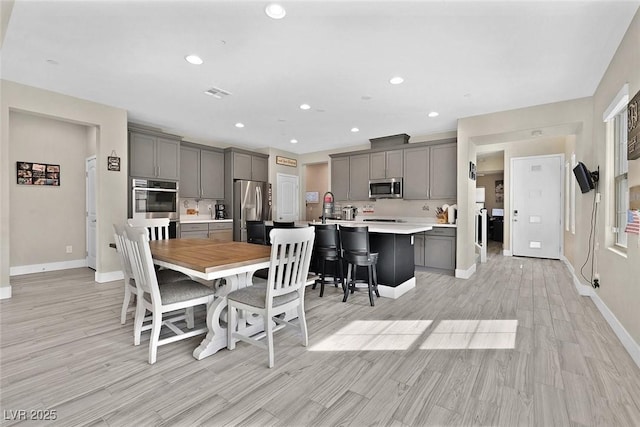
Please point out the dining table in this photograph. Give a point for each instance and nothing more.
(235, 262)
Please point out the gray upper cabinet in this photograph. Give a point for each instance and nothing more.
(250, 167)
(359, 177)
(153, 156)
(416, 173)
(212, 174)
(443, 171)
(201, 173)
(340, 178)
(386, 164)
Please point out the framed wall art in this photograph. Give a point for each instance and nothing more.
(32, 173)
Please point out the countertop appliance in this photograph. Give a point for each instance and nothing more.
(221, 211)
(387, 188)
(154, 199)
(349, 213)
(251, 202)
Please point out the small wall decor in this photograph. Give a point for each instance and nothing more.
(312, 197)
(113, 162)
(286, 161)
(472, 171)
(30, 173)
(633, 124)
(499, 190)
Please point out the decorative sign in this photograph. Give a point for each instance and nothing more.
(113, 164)
(312, 197)
(633, 138)
(29, 173)
(286, 161)
(634, 197)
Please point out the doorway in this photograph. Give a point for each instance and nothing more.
(287, 197)
(316, 179)
(91, 217)
(536, 206)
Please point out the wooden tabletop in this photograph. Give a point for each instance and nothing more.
(207, 256)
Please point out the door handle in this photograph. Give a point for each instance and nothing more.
(515, 215)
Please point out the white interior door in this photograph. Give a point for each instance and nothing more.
(536, 206)
(287, 197)
(91, 212)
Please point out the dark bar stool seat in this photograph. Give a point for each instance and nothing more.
(286, 224)
(256, 232)
(356, 253)
(326, 247)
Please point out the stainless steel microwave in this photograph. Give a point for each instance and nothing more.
(388, 188)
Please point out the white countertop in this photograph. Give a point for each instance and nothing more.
(200, 219)
(431, 221)
(386, 227)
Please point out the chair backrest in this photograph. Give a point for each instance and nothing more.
(290, 258)
(286, 224)
(327, 237)
(256, 232)
(121, 248)
(137, 243)
(354, 239)
(158, 227)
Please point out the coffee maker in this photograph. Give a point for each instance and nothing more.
(221, 212)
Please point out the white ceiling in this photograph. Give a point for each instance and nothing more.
(458, 58)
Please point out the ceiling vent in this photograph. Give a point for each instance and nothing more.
(217, 92)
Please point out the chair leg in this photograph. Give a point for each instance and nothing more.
(347, 284)
(303, 325)
(322, 276)
(125, 304)
(138, 320)
(188, 312)
(375, 280)
(370, 284)
(268, 329)
(155, 336)
(231, 326)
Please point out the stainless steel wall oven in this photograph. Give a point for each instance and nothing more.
(155, 199)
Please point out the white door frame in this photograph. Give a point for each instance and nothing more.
(88, 192)
(296, 195)
(560, 224)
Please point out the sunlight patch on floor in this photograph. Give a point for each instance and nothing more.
(365, 335)
(472, 334)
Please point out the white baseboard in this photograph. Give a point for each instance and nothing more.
(50, 266)
(110, 276)
(507, 252)
(5, 292)
(397, 291)
(625, 338)
(465, 274)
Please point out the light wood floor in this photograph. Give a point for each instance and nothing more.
(63, 348)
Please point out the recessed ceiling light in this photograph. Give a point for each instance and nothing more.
(194, 59)
(396, 80)
(433, 114)
(355, 130)
(275, 11)
(305, 106)
(365, 98)
(239, 125)
(294, 141)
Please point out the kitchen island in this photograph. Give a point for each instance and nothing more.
(394, 243)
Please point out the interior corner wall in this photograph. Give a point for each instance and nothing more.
(111, 187)
(619, 283)
(316, 178)
(45, 219)
(488, 181)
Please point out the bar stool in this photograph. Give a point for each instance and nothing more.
(327, 248)
(356, 253)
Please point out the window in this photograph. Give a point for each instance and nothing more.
(615, 118)
(620, 168)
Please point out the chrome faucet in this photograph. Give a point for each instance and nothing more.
(326, 205)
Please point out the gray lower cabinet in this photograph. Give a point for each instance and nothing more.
(201, 173)
(154, 156)
(217, 231)
(436, 248)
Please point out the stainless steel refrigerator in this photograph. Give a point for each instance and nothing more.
(251, 202)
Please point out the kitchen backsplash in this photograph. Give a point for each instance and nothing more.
(201, 206)
(396, 208)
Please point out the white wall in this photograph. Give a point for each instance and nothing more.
(46, 219)
(111, 125)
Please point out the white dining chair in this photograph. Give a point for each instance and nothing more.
(290, 258)
(130, 290)
(161, 300)
(158, 227)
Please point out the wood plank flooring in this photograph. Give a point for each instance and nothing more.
(63, 348)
